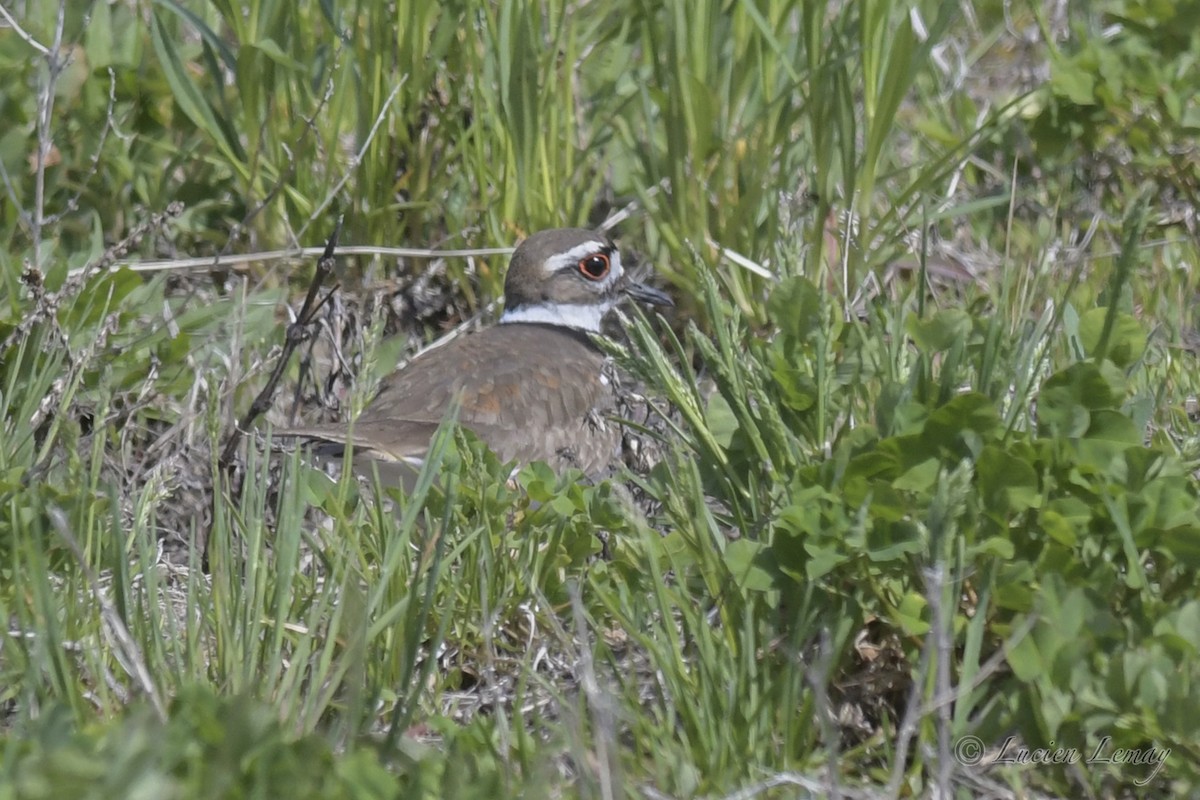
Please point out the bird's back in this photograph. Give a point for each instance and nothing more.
(532, 392)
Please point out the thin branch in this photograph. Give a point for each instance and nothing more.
(54, 67)
(990, 667)
(940, 633)
(242, 261)
(309, 130)
(908, 725)
(818, 677)
(22, 33)
(73, 202)
(358, 157)
(297, 332)
(47, 303)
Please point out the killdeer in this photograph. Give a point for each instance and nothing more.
(533, 387)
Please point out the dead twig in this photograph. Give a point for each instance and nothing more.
(297, 332)
(47, 303)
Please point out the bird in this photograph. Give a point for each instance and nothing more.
(535, 386)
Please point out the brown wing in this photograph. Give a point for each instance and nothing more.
(532, 392)
(387, 440)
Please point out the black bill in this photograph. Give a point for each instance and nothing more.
(648, 294)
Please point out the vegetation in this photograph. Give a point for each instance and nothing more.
(926, 519)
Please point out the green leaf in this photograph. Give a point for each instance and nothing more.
(210, 37)
(187, 94)
(1108, 425)
(941, 331)
(1183, 625)
(1025, 659)
(98, 38)
(911, 614)
(921, 477)
(994, 546)
(744, 558)
(1183, 544)
(274, 52)
(795, 306)
(1126, 340)
(1067, 398)
(1058, 528)
(1077, 85)
(890, 542)
(103, 294)
(796, 388)
(823, 560)
(722, 423)
(965, 420)
(1008, 484)
(540, 482)
(1014, 586)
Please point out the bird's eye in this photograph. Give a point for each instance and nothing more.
(594, 267)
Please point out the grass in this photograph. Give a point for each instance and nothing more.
(923, 499)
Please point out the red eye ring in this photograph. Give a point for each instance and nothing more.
(595, 267)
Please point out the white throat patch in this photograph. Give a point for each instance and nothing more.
(581, 316)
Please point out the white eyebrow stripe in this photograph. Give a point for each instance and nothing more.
(580, 251)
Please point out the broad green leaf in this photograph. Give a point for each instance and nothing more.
(1127, 340)
(911, 614)
(1113, 426)
(1025, 659)
(795, 306)
(98, 38)
(1067, 399)
(1008, 485)
(1183, 545)
(822, 561)
(1058, 528)
(720, 420)
(743, 557)
(890, 542)
(796, 388)
(921, 477)
(941, 331)
(962, 421)
(1075, 84)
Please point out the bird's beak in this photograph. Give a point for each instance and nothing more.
(648, 294)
